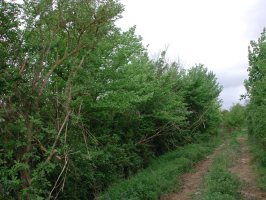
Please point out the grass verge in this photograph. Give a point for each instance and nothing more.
(162, 175)
(219, 183)
(259, 162)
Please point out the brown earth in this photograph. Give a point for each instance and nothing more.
(243, 169)
(191, 181)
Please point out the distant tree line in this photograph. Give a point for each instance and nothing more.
(82, 105)
(235, 118)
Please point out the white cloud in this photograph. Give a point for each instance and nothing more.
(214, 33)
(228, 98)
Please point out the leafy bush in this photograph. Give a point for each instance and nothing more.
(235, 118)
(256, 91)
(81, 103)
(259, 161)
(162, 175)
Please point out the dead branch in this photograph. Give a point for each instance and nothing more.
(58, 178)
(53, 151)
(56, 64)
(42, 148)
(158, 133)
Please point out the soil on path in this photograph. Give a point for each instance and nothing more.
(191, 181)
(243, 170)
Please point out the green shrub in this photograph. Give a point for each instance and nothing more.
(256, 89)
(162, 176)
(259, 161)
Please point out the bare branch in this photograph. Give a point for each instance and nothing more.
(40, 145)
(56, 64)
(158, 133)
(53, 151)
(58, 178)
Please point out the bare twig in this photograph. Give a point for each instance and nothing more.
(53, 151)
(58, 178)
(40, 145)
(158, 133)
(58, 62)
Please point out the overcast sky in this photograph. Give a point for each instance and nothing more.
(215, 33)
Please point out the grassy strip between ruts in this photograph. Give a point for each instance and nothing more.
(162, 175)
(259, 162)
(219, 183)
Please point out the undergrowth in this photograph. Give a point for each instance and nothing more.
(219, 183)
(259, 162)
(162, 175)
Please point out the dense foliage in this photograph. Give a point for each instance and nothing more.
(201, 92)
(163, 174)
(256, 88)
(235, 118)
(81, 103)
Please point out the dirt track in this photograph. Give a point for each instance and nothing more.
(191, 181)
(243, 170)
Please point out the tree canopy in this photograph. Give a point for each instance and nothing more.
(81, 103)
